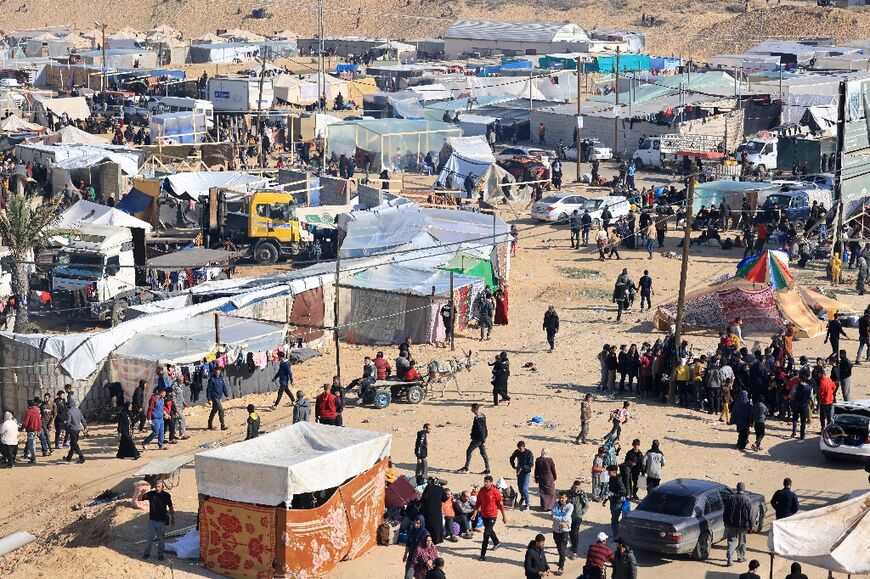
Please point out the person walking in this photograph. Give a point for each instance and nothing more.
(636, 455)
(618, 418)
(431, 500)
(501, 371)
(416, 533)
(9, 440)
(61, 410)
(834, 332)
(485, 315)
(160, 515)
(75, 425)
(479, 434)
(650, 235)
(620, 293)
(759, 416)
(796, 572)
(577, 497)
(801, 395)
(742, 417)
(421, 452)
(653, 464)
(126, 444)
(157, 412)
(624, 561)
(585, 226)
(284, 377)
(561, 514)
(738, 520)
(646, 290)
(489, 504)
(844, 379)
(522, 460)
(575, 222)
(179, 403)
(826, 395)
(616, 495)
(585, 419)
(31, 425)
(551, 326)
(301, 408)
(215, 391)
(139, 404)
(535, 562)
(863, 337)
(661, 226)
(784, 501)
(597, 557)
(424, 557)
(545, 477)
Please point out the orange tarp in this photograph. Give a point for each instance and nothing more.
(237, 539)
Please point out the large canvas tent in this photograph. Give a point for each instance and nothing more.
(763, 310)
(257, 504)
(834, 537)
(464, 156)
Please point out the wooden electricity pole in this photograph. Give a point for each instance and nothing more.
(681, 299)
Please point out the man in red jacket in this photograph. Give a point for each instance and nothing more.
(489, 503)
(325, 411)
(827, 388)
(32, 425)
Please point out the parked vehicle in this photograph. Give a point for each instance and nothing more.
(619, 207)
(665, 150)
(558, 208)
(794, 202)
(684, 516)
(848, 434)
(511, 152)
(599, 152)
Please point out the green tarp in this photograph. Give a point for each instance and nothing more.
(474, 266)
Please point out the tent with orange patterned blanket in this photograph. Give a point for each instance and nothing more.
(291, 503)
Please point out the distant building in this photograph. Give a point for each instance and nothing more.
(469, 37)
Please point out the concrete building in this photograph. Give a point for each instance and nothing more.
(468, 37)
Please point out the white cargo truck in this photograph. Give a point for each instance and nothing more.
(240, 94)
(662, 150)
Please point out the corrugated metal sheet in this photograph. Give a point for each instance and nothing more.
(515, 31)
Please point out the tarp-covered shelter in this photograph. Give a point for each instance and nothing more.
(74, 135)
(763, 310)
(393, 143)
(257, 506)
(15, 124)
(74, 108)
(84, 213)
(834, 537)
(464, 156)
(195, 184)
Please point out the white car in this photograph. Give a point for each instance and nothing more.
(848, 435)
(511, 152)
(557, 208)
(619, 207)
(599, 152)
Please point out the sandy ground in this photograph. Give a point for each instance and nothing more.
(103, 541)
(695, 28)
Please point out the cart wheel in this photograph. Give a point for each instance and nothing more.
(415, 395)
(382, 399)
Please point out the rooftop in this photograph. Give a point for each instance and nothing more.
(516, 31)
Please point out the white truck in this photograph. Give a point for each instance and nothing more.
(662, 150)
(240, 94)
(761, 153)
(94, 276)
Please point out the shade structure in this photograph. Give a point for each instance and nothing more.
(833, 537)
(768, 267)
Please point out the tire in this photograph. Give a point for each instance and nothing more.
(703, 547)
(119, 312)
(381, 399)
(562, 218)
(759, 520)
(265, 253)
(833, 435)
(416, 395)
(800, 224)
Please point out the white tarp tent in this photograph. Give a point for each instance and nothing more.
(302, 458)
(835, 537)
(15, 124)
(197, 183)
(74, 135)
(471, 156)
(75, 108)
(84, 213)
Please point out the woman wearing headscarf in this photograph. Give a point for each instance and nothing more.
(9, 440)
(424, 557)
(501, 305)
(653, 463)
(126, 445)
(545, 477)
(415, 535)
(433, 497)
(741, 416)
(796, 572)
(501, 371)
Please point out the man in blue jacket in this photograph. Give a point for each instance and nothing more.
(284, 376)
(215, 391)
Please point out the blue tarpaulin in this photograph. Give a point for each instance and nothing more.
(627, 63)
(346, 67)
(659, 63)
(134, 202)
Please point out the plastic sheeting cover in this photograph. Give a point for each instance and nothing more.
(305, 457)
(401, 278)
(85, 213)
(197, 183)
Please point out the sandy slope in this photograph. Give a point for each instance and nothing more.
(101, 540)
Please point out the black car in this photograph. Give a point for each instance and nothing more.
(683, 516)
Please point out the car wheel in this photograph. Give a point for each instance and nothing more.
(382, 399)
(759, 518)
(563, 218)
(415, 395)
(119, 312)
(702, 548)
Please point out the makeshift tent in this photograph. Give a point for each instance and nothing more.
(72, 135)
(393, 143)
(474, 266)
(84, 213)
(302, 89)
(763, 309)
(15, 124)
(75, 108)
(835, 537)
(255, 503)
(464, 156)
(181, 127)
(195, 184)
(141, 200)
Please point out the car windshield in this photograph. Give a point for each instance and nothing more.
(753, 147)
(776, 201)
(80, 265)
(665, 503)
(592, 204)
(551, 199)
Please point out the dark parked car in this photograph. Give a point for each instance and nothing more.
(683, 516)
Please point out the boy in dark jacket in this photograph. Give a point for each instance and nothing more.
(479, 433)
(253, 423)
(535, 564)
(784, 501)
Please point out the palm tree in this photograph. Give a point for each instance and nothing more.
(23, 228)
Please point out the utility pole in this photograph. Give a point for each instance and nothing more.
(105, 79)
(336, 323)
(531, 72)
(261, 157)
(684, 272)
(452, 316)
(578, 145)
(616, 114)
(320, 79)
(838, 162)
